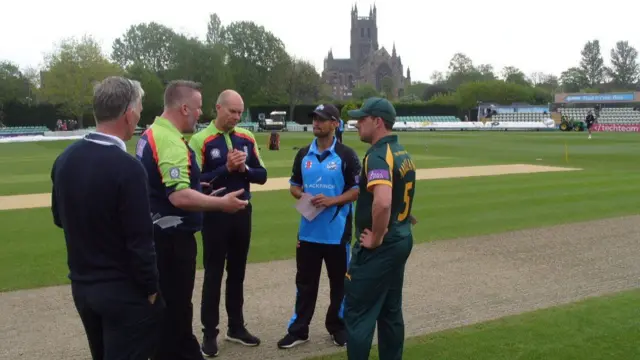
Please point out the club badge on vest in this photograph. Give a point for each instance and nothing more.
(215, 153)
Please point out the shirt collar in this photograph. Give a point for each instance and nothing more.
(314, 146)
(165, 123)
(383, 141)
(215, 129)
(105, 139)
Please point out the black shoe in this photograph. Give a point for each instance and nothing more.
(243, 337)
(289, 341)
(209, 346)
(339, 338)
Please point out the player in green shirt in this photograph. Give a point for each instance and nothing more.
(374, 281)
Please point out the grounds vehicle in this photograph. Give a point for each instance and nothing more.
(276, 121)
(568, 124)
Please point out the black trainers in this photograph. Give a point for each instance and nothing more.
(289, 341)
(339, 338)
(209, 346)
(243, 337)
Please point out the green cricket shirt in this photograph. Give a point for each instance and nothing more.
(387, 163)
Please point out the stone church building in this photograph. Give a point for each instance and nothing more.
(368, 63)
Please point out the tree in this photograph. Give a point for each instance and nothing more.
(71, 72)
(204, 63)
(512, 74)
(303, 83)
(624, 65)
(417, 89)
(344, 112)
(258, 61)
(592, 64)
(151, 45)
(14, 86)
(462, 70)
(437, 77)
(214, 29)
(152, 103)
(572, 80)
(364, 91)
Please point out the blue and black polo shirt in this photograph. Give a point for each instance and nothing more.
(332, 172)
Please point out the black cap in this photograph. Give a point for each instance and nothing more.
(326, 112)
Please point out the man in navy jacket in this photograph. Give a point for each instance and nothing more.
(100, 200)
(230, 159)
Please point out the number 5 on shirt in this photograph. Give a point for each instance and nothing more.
(407, 200)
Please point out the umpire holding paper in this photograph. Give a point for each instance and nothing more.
(329, 172)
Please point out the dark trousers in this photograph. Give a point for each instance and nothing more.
(309, 257)
(119, 321)
(373, 293)
(225, 239)
(177, 269)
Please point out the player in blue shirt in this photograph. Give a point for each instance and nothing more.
(329, 172)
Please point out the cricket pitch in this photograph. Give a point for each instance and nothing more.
(15, 202)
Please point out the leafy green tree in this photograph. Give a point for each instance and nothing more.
(624, 65)
(204, 63)
(512, 74)
(303, 84)
(592, 64)
(150, 44)
(71, 72)
(572, 80)
(214, 29)
(258, 61)
(14, 86)
(364, 91)
(152, 103)
(344, 112)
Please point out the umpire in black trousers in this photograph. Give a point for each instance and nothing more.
(100, 200)
(231, 160)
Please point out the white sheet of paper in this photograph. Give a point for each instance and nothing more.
(306, 209)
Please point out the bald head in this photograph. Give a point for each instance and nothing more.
(229, 96)
(229, 109)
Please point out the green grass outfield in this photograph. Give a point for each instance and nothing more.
(32, 251)
(601, 328)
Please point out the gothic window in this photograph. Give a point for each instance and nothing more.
(369, 33)
(361, 32)
(351, 84)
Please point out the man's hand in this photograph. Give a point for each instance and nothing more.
(236, 160)
(368, 239)
(322, 201)
(231, 203)
(152, 298)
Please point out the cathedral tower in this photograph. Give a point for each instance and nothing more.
(364, 34)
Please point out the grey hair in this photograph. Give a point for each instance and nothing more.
(113, 96)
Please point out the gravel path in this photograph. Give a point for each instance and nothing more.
(448, 284)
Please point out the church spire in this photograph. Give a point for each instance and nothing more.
(393, 52)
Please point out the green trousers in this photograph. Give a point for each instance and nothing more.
(373, 294)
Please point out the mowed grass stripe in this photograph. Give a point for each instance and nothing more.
(15, 202)
(598, 328)
(32, 250)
